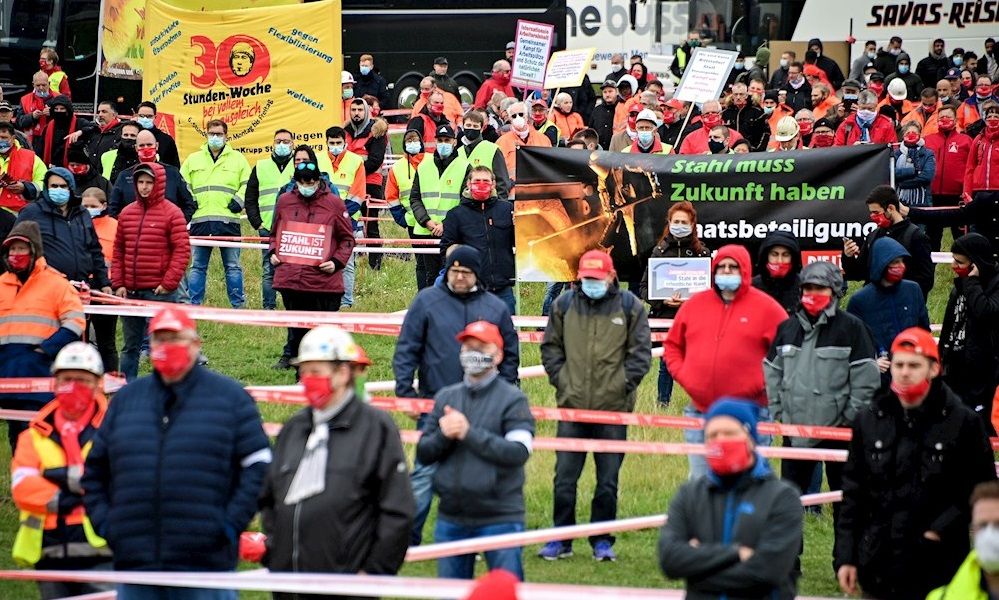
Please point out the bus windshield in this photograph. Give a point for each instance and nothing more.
(25, 19)
(744, 24)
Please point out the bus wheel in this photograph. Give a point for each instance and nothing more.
(407, 91)
(467, 87)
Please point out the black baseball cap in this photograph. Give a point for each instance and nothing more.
(609, 83)
(440, 60)
(445, 131)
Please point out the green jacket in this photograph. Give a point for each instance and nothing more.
(966, 585)
(596, 352)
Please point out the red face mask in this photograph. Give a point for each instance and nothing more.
(728, 457)
(966, 84)
(501, 78)
(539, 117)
(632, 121)
(18, 262)
(814, 303)
(895, 273)
(881, 220)
(778, 270)
(992, 123)
(170, 359)
(823, 140)
(961, 271)
(805, 127)
(425, 95)
(984, 90)
(910, 137)
(669, 117)
(877, 88)
(79, 169)
(146, 155)
(44, 65)
(946, 124)
(480, 190)
(929, 108)
(318, 390)
(437, 109)
(711, 120)
(75, 398)
(375, 111)
(910, 395)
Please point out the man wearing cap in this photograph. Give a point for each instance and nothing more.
(544, 125)
(699, 543)
(442, 80)
(479, 436)
(674, 117)
(915, 456)
(499, 82)
(820, 370)
(55, 532)
(85, 174)
(7, 116)
(336, 498)
(175, 470)
(596, 351)
(521, 133)
(823, 134)
(21, 171)
(151, 252)
(428, 350)
(895, 105)
(646, 140)
(608, 112)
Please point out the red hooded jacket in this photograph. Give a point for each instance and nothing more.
(151, 247)
(983, 164)
(715, 348)
(951, 150)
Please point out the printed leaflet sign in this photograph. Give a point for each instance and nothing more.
(667, 276)
(533, 44)
(303, 243)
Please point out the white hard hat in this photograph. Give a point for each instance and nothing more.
(897, 89)
(647, 115)
(787, 128)
(329, 343)
(78, 356)
(346, 77)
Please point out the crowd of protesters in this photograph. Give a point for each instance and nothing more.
(107, 205)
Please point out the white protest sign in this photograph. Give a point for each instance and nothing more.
(705, 76)
(667, 276)
(567, 68)
(533, 44)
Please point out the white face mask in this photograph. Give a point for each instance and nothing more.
(987, 547)
(518, 122)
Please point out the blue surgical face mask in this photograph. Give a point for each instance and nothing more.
(282, 150)
(645, 138)
(740, 66)
(94, 212)
(348, 93)
(365, 70)
(413, 147)
(144, 122)
(866, 116)
(335, 150)
(594, 289)
(5, 147)
(445, 149)
(307, 190)
(958, 60)
(59, 196)
(784, 63)
(680, 230)
(216, 141)
(728, 282)
(903, 69)
(768, 110)
(44, 94)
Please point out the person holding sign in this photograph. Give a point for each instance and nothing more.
(312, 242)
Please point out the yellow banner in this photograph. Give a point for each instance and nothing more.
(122, 42)
(258, 70)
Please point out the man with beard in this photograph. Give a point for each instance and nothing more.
(366, 138)
(103, 134)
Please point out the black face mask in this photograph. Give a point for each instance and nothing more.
(716, 147)
(60, 117)
(126, 144)
(472, 134)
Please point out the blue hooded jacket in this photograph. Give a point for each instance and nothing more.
(888, 310)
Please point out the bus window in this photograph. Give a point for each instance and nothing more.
(27, 19)
(82, 19)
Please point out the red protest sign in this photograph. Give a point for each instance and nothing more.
(303, 243)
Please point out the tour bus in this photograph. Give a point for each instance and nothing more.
(403, 35)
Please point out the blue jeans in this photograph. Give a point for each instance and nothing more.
(463, 567)
(128, 591)
(665, 384)
(422, 481)
(552, 290)
(506, 295)
(199, 274)
(698, 464)
(348, 283)
(133, 331)
(268, 295)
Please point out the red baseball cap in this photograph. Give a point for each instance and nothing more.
(674, 104)
(484, 331)
(595, 264)
(918, 341)
(172, 319)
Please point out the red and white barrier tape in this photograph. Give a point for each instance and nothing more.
(215, 243)
(362, 241)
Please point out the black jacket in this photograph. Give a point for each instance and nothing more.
(447, 84)
(918, 265)
(59, 132)
(93, 178)
(969, 340)
(750, 122)
(909, 472)
(177, 191)
(668, 247)
(480, 480)
(786, 291)
(602, 121)
(929, 69)
(487, 227)
(982, 213)
(361, 522)
(799, 98)
(69, 242)
(671, 134)
(167, 148)
(757, 510)
(98, 142)
(372, 84)
(583, 98)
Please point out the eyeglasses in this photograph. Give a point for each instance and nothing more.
(305, 165)
(517, 114)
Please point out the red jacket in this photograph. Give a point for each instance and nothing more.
(882, 131)
(716, 349)
(983, 164)
(151, 247)
(951, 150)
(322, 208)
(485, 93)
(30, 102)
(696, 142)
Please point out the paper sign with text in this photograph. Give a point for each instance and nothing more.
(303, 243)
(667, 276)
(567, 68)
(533, 44)
(705, 76)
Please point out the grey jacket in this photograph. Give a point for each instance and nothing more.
(480, 480)
(757, 510)
(820, 373)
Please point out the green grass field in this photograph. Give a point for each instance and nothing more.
(646, 484)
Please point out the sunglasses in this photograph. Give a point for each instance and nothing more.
(304, 166)
(518, 114)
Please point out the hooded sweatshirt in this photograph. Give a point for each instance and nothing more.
(716, 348)
(784, 290)
(368, 141)
(913, 83)
(50, 145)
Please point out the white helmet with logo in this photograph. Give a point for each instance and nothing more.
(346, 77)
(327, 342)
(78, 356)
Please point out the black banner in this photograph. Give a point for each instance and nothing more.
(571, 201)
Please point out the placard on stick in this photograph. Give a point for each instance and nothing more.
(303, 243)
(533, 44)
(567, 68)
(705, 76)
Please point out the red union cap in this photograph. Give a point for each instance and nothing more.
(595, 264)
(917, 340)
(172, 319)
(484, 331)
